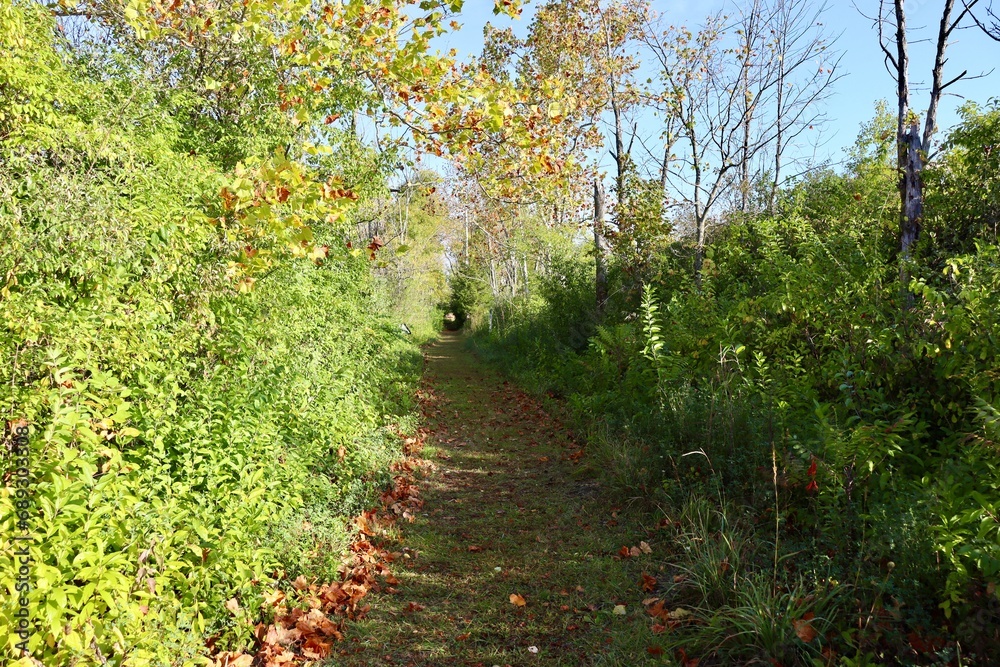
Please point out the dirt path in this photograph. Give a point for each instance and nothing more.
(506, 513)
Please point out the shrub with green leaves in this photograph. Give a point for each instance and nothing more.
(195, 436)
(858, 436)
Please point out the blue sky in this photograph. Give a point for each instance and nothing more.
(865, 80)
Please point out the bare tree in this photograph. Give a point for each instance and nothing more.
(739, 93)
(801, 89)
(913, 148)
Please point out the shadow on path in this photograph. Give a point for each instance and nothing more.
(506, 512)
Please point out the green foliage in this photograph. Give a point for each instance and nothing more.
(204, 421)
(964, 187)
(882, 422)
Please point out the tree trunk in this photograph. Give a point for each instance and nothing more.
(911, 192)
(778, 138)
(600, 248)
(699, 251)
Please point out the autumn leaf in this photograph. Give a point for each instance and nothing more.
(234, 660)
(645, 548)
(517, 600)
(655, 651)
(804, 629)
(475, 548)
(679, 614)
(413, 607)
(648, 583)
(682, 656)
(233, 605)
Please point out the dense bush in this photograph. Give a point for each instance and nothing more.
(202, 422)
(848, 443)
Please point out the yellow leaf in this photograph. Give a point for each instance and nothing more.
(517, 600)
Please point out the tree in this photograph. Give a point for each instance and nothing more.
(735, 95)
(913, 148)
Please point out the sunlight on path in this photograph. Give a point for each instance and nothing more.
(513, 559)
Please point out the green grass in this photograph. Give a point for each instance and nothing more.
(503, 481)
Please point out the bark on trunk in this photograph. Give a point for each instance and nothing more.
(699, 252)
(600, 248)
(911, 190)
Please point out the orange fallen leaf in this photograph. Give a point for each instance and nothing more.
(462, 637)
(413, 606)
(517, 600)
(234, 660)
(804, 629)
(648, 583)
(655, 651)
(475, 548)
(274, 598)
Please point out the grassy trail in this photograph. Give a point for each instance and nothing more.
(506, 512)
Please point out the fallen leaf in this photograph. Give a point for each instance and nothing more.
(678, 614)
(645, 548)
(619, 610)
(658, 628)
(804, 629)
(475, 549)
(315, 649)
(234, 660)
(655, 651)
(462, 637)
(274, 598)
(517, 600)
(413, 606)
(648, 583)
